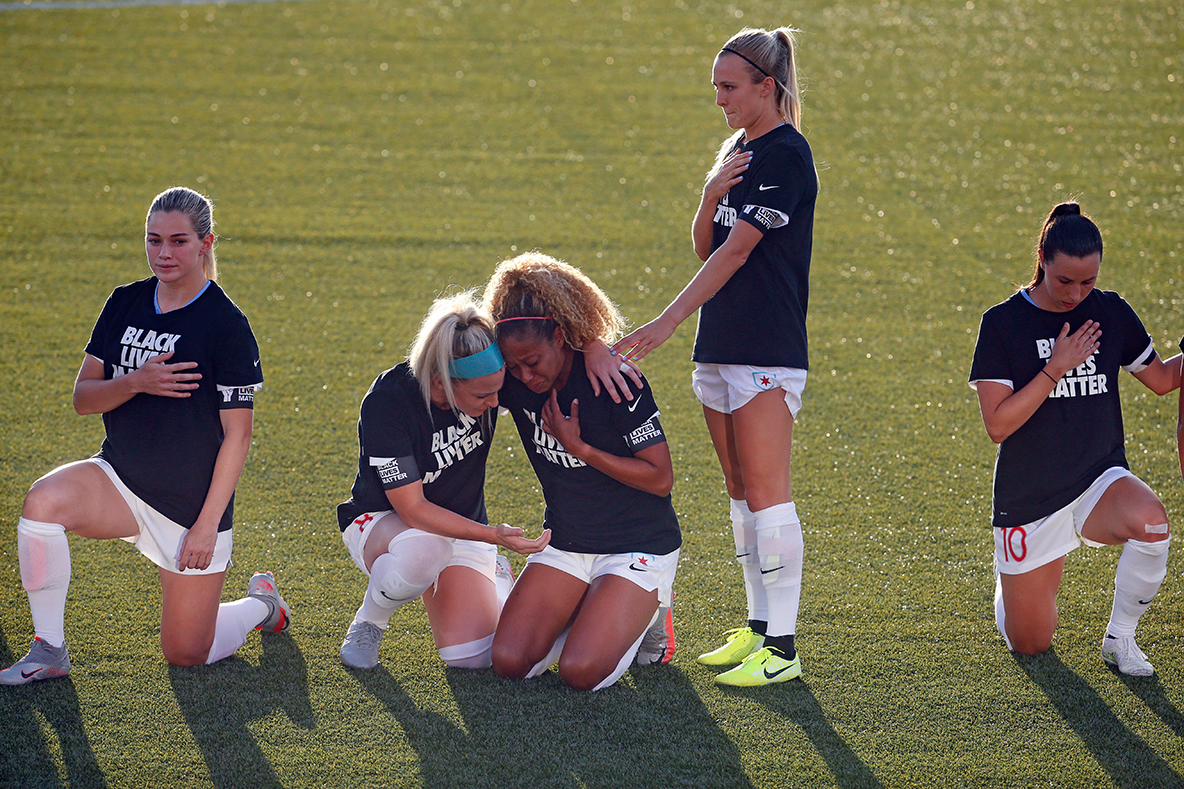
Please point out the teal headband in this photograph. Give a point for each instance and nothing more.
(484, 362)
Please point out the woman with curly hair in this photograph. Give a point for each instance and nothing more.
(588, 598)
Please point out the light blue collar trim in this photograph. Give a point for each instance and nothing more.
(156, 297)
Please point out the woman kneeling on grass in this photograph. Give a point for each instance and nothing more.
(416, 522)
(588, 598)
(1046, 370)
(173, 367)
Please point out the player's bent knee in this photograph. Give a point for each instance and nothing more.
(184, 656)
(509, 661)
(583, 673)
(1030, 643)
(421, 556)
(45, 501)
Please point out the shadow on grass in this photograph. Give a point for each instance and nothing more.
(652, 731)
(27, 759)
(1127, 759)
(219, 701)
(1151, 692)
(795, 703)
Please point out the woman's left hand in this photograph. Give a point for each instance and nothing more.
(197, 549)
(565, 428)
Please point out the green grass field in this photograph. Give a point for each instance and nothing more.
(366, 156)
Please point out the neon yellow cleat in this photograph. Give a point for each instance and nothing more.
(763, 667)
(742, 642)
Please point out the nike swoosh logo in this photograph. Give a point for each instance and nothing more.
(742, 555)
(776, 673)
(1146, 602)
(639, 569)
(634, 404)
(26, 675)
(387, 596)
(763, 188)
(256, 362)
(775, 569)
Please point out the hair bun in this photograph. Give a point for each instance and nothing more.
(1065, 209)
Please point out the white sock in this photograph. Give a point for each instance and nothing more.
(235, 622)
(779, 543)
(44, 555)
(1141, 570)
(744, 535)
(471, 654)
(1000, 613)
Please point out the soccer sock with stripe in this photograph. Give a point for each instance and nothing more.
(1141, 570)
(744, 535)
(780, 546)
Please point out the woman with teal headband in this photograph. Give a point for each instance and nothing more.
(416, 522)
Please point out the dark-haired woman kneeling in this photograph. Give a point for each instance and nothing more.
(1046, 370)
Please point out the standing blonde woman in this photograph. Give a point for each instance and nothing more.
(173, 367)
(754, 232)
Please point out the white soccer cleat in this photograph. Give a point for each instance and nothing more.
(1124, 654)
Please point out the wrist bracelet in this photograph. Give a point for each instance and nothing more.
(1055, 381)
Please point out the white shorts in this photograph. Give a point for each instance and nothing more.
(160, 539)
(1021, 549)
(729, 387)
(480, 556)
(648, 571)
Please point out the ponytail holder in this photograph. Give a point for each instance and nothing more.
(484, 362)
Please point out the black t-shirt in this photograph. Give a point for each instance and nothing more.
(1076, 433)
(401, 441)
(587, 510)
(759, 316)
(164, 448)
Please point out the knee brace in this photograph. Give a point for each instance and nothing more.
(413, 560)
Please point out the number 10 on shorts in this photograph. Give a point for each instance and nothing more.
(1015, 544)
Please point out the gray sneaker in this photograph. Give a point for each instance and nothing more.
(42, 662)
(262, 587)
(360, 648)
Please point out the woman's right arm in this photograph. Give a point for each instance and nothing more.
(94, 394)
(1005, 411)
(419, 513)
(719, 268)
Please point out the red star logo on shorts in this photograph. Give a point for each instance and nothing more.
(765, 380)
